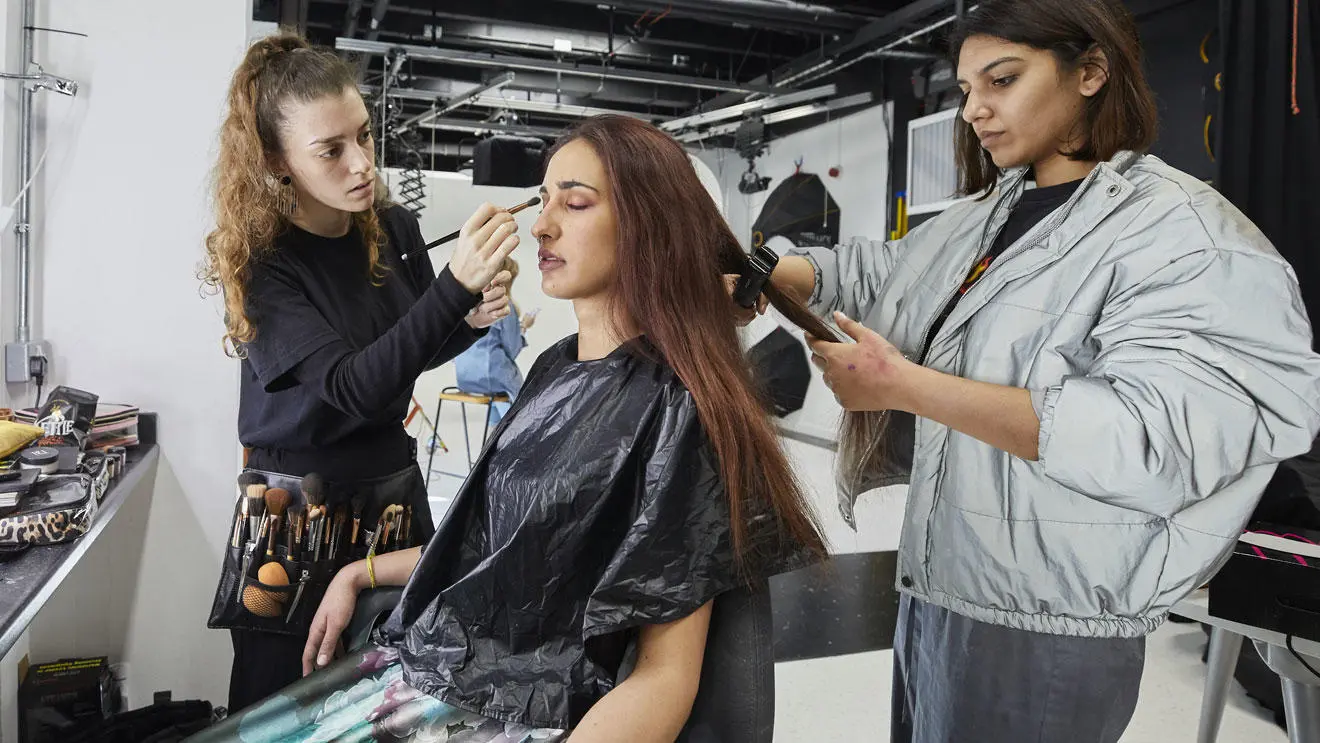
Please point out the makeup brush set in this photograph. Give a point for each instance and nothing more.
(288, 536)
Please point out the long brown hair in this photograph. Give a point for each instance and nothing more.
(674, 248)
(276, 71)
(1122, 116)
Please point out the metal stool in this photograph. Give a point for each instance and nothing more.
(454, 394)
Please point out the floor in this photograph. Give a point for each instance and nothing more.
(847, 697)
(831, 699)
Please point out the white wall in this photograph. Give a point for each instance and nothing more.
(120, 217)
(858, 145)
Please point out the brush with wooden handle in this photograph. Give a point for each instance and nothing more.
(387, 518)
(294, 534)
(277, 502)
(359, 502)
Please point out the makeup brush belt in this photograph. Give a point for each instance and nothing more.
(56, 508)
(277, 566)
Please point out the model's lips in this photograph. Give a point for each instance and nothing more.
(989, 138)
(360, 187)
(547, 261)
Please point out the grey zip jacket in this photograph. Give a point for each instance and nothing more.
(1169, 356)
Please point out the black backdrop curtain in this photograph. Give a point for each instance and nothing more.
(1269, 152)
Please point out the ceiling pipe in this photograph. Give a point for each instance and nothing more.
(479, 127)
(779, 14)
(452, 56)
(457, 101)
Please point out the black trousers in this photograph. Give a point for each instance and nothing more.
(263, 664)
(957, 679)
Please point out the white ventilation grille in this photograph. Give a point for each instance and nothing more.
(932, 173)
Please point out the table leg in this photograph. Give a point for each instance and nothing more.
(1225, 647)
(1301, 704)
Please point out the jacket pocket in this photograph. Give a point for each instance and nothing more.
(1073, 569)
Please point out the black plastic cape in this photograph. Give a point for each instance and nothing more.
(596, 508)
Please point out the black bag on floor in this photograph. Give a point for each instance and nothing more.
(164, 721)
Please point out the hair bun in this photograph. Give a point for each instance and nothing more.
(264, 50)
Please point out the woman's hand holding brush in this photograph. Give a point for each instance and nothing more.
(486, 239)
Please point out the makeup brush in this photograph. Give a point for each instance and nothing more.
(256, 508)
(337, 534)
(454, 235)
(386, 521)
(245, 480)
(250, 478)
(313, 487)
(359, 502)
(240, 519)
(407, 527)
(277, 501)
(294, 534)
(314, 521)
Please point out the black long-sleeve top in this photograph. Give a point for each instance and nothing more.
(327, 380)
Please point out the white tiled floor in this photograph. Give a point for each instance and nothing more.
(847, 698)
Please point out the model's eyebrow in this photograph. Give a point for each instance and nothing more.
(986, 70)
(336, 138)
(565, 185)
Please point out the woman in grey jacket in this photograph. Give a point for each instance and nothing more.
(1104, 371)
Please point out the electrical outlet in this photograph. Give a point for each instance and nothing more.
(18, 360)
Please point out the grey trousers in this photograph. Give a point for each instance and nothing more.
(957, 680)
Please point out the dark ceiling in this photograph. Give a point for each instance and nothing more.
(568, 58)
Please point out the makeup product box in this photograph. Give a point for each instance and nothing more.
(57, 699)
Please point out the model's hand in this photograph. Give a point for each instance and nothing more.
(494, 303)
(332, 616)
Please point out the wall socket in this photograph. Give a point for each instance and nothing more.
(18, 360)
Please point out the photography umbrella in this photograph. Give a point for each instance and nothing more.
(801, 210)
(781, 371)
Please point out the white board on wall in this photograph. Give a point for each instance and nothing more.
(859, 146)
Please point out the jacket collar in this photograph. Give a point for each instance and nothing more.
(1013, 179)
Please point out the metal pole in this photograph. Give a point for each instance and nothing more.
(22, 225)
(384, 111)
